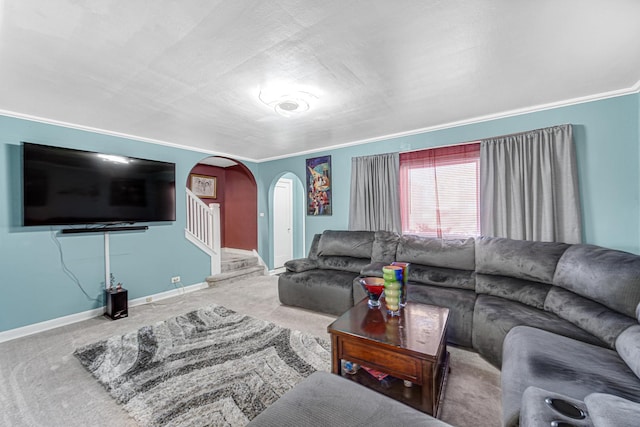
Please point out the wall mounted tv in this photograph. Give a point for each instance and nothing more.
(63, 186)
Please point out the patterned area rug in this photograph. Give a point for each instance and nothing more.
(212, 366)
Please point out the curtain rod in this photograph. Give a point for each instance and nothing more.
(455, 144)
(526, 132)
(475, 141)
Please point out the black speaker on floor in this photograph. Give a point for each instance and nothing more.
(117, 305)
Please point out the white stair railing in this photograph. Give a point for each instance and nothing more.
(203, 228)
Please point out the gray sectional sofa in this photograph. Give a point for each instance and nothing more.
(557, 318)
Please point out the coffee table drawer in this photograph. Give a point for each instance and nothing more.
(390, 362)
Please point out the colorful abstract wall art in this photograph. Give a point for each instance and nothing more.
(319, 186)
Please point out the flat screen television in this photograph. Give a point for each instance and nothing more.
(63, 186)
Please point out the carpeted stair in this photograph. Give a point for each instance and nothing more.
(236, 265)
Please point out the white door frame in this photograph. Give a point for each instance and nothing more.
(279, 259)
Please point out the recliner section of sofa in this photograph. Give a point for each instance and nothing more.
(597, 289)
(460, 302)
(323, 281)
(534, 283)
(442, 273)
(494, 317)
(513, 279)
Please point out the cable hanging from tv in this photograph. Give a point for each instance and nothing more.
(67, 271)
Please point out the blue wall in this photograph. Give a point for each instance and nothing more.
(606, 135)
(34, 287)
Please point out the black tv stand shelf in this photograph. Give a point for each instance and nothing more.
(104, 229)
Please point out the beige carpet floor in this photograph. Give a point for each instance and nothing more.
(43, 384)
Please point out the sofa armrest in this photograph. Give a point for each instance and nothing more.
(300, 265)
(610, 410)
(536, 411)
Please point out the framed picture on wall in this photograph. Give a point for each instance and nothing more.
(319, 186)
(203, 186)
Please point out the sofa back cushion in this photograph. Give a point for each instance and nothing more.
(607, 276)
(595, 318)
(447, 263)
(523, 291)
(342, 263)
(355, 244)
(385, 245)
(522, 259)
(447, 253)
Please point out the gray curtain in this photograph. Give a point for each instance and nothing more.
(529, 186)
(375, 194)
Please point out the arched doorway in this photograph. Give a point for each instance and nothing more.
(236, 193)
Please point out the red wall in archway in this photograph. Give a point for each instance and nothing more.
(241, 222)
(237, 195)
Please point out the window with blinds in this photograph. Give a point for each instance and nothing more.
(439, 191)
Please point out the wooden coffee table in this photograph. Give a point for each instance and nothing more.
(410, 347)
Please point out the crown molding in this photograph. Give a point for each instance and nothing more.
(75, 126)
(480, 119)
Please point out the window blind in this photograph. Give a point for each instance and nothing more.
(439, 191)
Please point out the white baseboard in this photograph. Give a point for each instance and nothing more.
(23, 331)
(168, 294)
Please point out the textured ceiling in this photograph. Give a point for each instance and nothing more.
(190, 72)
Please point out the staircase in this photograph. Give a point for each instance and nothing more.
(203, 230)
(236, 265)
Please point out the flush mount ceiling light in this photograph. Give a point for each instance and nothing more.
(289, 105)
